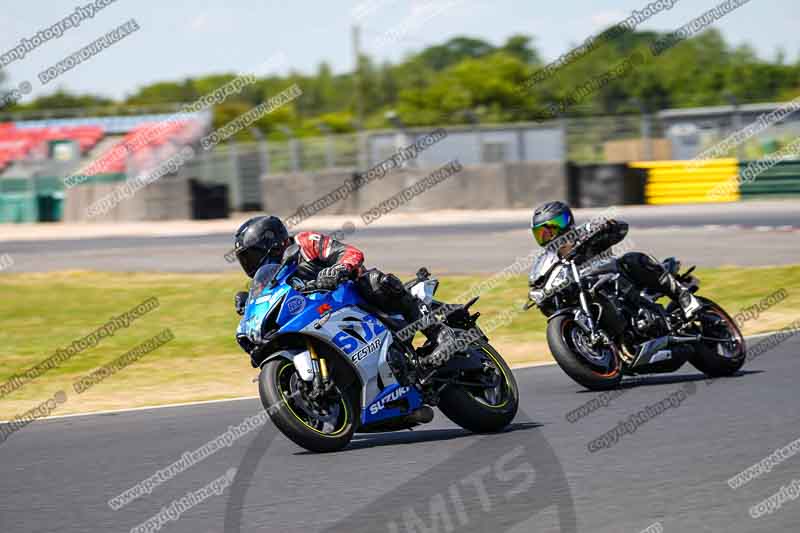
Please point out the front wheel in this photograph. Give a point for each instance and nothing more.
(491, 403)
(596, 367)
(321, 425)
(718, 359)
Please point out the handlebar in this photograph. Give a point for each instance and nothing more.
(311, 286)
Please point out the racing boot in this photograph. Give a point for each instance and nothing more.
(444, 343)
(416, 312)
(690, 305)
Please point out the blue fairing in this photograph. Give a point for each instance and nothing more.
(300, 310)
(378, 411)
(275, 305)
(295, 311)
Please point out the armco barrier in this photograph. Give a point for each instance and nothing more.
(783, 179)
(690, 181)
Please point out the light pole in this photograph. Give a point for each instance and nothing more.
(736, 121)
(401, 137)
(645, 130)
(474, 120)
(330, 156)
(294, 158)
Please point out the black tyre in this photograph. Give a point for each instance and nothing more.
(483, 409)
(596, 369)
(295, 417)
(718, 359)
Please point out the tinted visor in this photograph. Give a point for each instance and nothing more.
(252, 258)
(544, 232)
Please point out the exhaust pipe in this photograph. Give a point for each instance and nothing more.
(657, 350)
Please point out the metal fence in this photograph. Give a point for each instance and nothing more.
(681, 134)
(241, 166)
(677, 134)
(672, 134)
(471, 146)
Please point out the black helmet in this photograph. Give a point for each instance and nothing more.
(260, 240)
(551, 220)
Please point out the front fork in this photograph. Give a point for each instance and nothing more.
(322, 378)
(576, 277)
(596, 336)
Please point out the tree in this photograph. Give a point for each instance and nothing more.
(519, 47)
(322, 93)
(453, 51)
(163, 92)
(64, 100)
(489, 82)
(438, 84)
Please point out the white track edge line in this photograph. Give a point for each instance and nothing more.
(204, 402)
(143, 408)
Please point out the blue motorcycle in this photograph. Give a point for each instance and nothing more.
(332, 365)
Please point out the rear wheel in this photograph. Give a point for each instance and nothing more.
(489, 405)
(596, 367)
(319, 425)
(718, 359)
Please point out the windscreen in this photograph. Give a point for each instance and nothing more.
(542, 265)
(264, 276)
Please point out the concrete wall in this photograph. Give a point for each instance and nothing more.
(528, 184)
(488, 186)
(165, 199)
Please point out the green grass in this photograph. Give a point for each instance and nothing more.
(42, 312)
(732, 288)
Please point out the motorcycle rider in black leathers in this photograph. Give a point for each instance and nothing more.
(328, 262)
(554, 220)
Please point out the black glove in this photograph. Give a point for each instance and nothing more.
(610, 224)
(240, 301)
(330, 278)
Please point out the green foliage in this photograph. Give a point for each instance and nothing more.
(64, 100)
(455, 50)
(444, 83)
(519, 46)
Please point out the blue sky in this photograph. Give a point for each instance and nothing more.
(180, 38)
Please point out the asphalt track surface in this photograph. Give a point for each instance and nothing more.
(733, 234)
(57, 475)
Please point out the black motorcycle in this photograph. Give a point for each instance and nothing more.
(601, 326)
